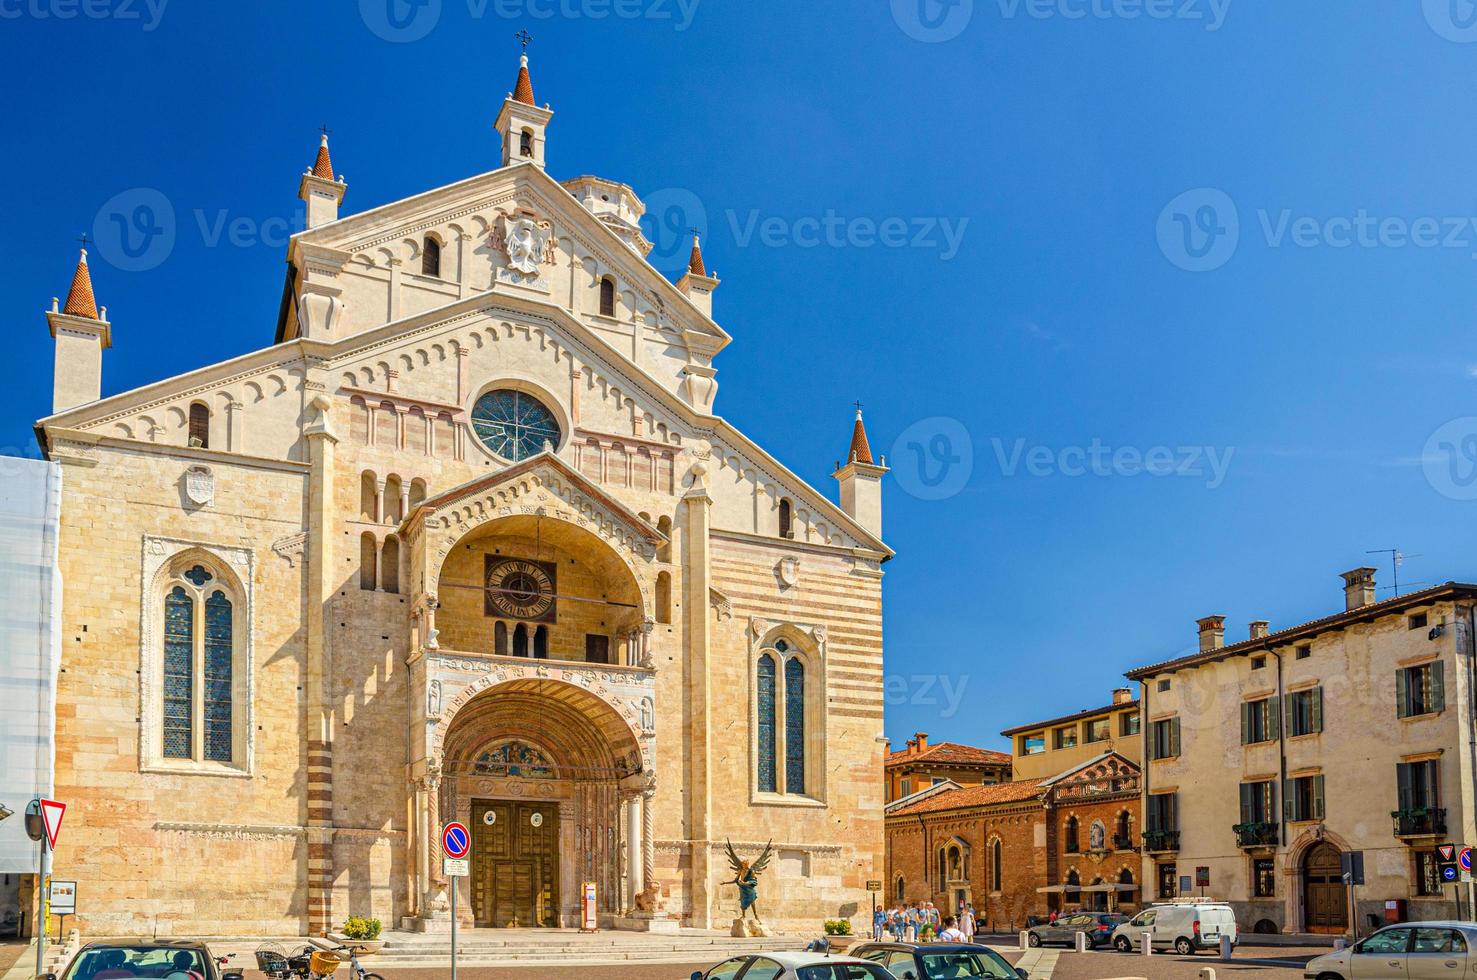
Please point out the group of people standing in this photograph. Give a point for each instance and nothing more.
(923, 922)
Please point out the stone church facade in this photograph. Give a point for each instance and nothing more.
(466, 541)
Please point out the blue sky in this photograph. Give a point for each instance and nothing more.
(1158, 309)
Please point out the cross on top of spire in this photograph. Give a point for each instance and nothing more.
(523, 90)
(524, 37)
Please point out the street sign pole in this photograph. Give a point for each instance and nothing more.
(41, 908)
(453, 928)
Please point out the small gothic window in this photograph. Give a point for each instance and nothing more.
(525, 143)
(768, 776)
(199, 426)
(995, 876)
(431, 258)
(541, 643)
(794, 726)
(179, 673)
(787, 529)
(607, 296)
(1071, 844)
(520, 640)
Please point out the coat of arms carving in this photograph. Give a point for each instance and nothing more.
(200, 486)
(525, 240)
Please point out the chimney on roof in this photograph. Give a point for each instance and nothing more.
(921, 738)
(1358, 587)
(1258, 628)
(1122, 695)
(1212, 633)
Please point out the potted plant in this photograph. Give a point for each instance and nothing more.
(362, 933)
(838, 931)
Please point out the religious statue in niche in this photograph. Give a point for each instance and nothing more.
(1097, 837)
(746, 877)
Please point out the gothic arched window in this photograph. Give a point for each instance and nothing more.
(199, 668)
(500, 639)
(794, 725)
(431, 258)
(995, 855)
(765, 684)
(1070, 844)
(787, 518)
(607, 296)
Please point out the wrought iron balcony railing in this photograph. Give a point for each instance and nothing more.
(1124, 842)
(1426, 821)
(1258, 834)
(1161, 840)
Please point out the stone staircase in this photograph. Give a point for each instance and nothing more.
(485, 947)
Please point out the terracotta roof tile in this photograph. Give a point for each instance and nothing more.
(860, 451)
(695, 261)
(80, 301)
(323, 166)
(969, 796)
(951, 752)
(523, 90)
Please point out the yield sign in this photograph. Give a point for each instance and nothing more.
(1446, 851)
(51, 816)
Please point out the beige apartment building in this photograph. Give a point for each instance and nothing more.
(466, 539)
(1046, 748)
(1274, 758)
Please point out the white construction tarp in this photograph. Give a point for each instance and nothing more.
(30, 646)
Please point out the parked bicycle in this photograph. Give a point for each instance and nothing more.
(313, 963)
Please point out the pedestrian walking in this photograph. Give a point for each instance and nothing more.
(951, 933)
(967, 923)
(879, 918)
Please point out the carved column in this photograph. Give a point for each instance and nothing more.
(463, 272)
(318, 701)
(635, 851)
(648, 840)
(379, 501)
(697, 622)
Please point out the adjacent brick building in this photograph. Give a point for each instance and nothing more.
(921, 765)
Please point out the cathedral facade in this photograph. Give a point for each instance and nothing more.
(466, 541)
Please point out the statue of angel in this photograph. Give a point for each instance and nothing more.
(746, 876)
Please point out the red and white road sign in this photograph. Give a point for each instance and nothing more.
(1464, 859)
(1447, 852)
(51, 816)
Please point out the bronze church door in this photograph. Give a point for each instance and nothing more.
(1325, 896)
(515, 864)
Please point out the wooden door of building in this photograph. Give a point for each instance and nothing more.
(1325, 896)
(515, 864)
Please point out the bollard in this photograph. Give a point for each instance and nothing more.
(1025, 939)
(1148, 944)
(1081, 938)
(1225, 949)
(1207, 973)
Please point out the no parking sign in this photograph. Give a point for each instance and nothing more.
(456, 840)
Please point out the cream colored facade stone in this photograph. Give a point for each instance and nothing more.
(349, 510)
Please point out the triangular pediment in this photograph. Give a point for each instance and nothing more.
(1105, 773)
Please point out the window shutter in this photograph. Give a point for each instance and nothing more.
(1247, 816)
(1245, 724)
(1290, 707)
(1402, 693)
(1315, 709)
(1438, 687)
(1274, 718)
(1404, 785)
(1174, 737)
(1289, 800)
(1317, 797)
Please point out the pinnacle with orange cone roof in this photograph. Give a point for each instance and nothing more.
(860, 451)
(323, 166)
(80, 301)
(695, 261)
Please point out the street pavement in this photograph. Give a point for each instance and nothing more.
(626, 971)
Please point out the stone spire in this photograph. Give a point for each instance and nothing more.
(80, 301)
(521, 123)
(323, 166)
(523, 89)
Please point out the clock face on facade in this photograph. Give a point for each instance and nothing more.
(520, 589)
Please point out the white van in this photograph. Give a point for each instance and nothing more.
(1185, 927)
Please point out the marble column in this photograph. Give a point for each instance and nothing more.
(635, 855)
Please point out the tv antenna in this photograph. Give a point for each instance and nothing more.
(1397, 558)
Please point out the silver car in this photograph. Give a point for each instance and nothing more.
(1409, 951)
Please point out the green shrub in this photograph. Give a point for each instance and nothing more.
(838, 927)
(358, 927)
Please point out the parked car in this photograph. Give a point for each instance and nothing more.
(925, 961)
(794, 966)
(1186, 927)
(1099, 927)
(1411, 949)
(154, 958)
